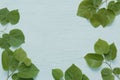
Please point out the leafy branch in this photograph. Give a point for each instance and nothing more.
(15, 62)
(104, 53)
(90, 9)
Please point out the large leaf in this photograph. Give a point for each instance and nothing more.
(107, 74)
(101, 47)
(27, 71)
(57, 74)
(112, 52)
(94, 60)
(73, 73)
(13, 16)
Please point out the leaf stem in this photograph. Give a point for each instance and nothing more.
(109, 64)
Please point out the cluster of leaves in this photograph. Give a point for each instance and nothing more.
(16, 63)
(90, 9)
(72, 73)
(7, 16)
(104, 53)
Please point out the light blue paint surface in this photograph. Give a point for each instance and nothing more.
(56, 37)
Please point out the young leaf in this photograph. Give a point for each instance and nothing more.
(27, 71)
(116, 70)
(57, 74)
(73, 73)
(112, 52)
(107, 74)
(84, 77)
(101, 47)
(20, 54)
(13, 17)
(16, 38)
(94, 60)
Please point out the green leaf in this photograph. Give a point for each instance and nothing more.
(13, 17)
(20, 54)
(86, 9)
(115, 7)
(107, 74)
(27, 71)
(8, 60)
(116, 70)
(95, 20)
(101, 47)
(106, 16)
(112, 52)
(57, 74)
(27, 61)
(5, 60)
(73, 73)
(94, 60)
(84, 77)
(4, 44)
(3, 16)
(16, 38)
(15, 77)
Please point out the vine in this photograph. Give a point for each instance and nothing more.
(90, 9)
(14, 59)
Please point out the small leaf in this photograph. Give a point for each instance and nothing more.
(112, 52)
(107, 74)
(73, 73)
(84, 77)
(14, 17)
(57, 74)
(116, 70)
(27, 71)
(20, 54)
(101, 47)
(94, 60)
